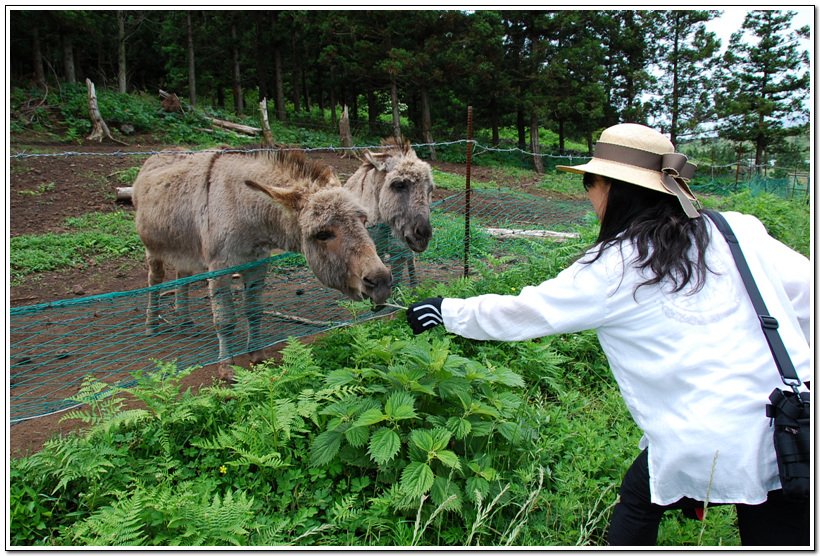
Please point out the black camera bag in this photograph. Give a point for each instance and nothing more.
(792, 441)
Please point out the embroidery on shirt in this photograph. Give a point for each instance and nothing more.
(713, 303)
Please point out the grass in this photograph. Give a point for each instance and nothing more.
(94, 236)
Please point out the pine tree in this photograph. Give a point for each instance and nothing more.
(686, 53)
(763, 84)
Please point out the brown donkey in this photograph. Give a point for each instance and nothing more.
(210, 210)
(396, 188)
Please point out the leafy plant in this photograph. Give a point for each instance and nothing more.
(102, 235)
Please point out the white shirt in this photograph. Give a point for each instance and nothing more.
(695, 370)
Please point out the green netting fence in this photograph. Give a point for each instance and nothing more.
(54, 346)
(789, 187)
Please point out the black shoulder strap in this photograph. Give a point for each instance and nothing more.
(767, 322)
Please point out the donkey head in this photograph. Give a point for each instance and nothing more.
(405, 194)
(334, 239)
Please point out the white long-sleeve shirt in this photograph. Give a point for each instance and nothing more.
(694, 370)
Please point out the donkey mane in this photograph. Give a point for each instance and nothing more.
(291, 160)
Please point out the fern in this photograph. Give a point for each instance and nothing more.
(99, 397)
(225, 520)
(343, 511)
(120, 524)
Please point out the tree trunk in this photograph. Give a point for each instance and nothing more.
(372, 116)
(297, 94)
(121, 72)
(427, 123)
(354, 108)
(320, 94)
(267, 136)
(238, 103)
(191, 62)
(537, 162)
(68, 57)
(494, 118)
(333, 95)
(37, 59)
(394, 101)
(261, 61)
(561, 136)
(673, 131)
(345, 136)
(522, 133)
(250, 130)
(305, 89)
(98, 127)
(279, 101)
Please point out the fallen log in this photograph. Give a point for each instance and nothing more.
(125, 193)
(249, 130)
(508, 233)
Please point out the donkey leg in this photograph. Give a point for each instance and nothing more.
(156, 275)
(182, 301)
(399, 255)
(411, 270)
(224, 322)
(254, 285)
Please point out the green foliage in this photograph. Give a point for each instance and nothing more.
(30, 509)
(98, 235)
(368, 437)
(788, 221)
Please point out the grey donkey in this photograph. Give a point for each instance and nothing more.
(396, 187)
(212, 210)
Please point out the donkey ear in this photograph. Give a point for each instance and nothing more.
(288, 199)
(379, 161)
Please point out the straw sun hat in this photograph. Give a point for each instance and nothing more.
(639, 155)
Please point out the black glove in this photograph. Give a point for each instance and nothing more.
(424, 315)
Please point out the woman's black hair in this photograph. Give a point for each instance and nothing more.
(670, 247)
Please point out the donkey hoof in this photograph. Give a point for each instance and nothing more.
(257, 356)
(226, 374)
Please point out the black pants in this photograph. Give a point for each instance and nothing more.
(635, 519)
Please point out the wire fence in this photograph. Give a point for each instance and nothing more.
(55, 345)
(713, 179)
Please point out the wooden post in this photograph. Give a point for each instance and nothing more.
(98, 127)
(267, 136)
(737, 169)
(345, 136)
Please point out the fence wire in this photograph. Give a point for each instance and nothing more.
(54, 345)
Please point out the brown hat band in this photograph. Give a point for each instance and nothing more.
(672, 166)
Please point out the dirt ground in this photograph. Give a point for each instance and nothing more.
(44, 191)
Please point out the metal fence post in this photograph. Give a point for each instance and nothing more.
(468, 191)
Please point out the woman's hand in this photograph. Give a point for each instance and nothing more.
(424, 315)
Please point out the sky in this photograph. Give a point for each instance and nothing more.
(733, 16)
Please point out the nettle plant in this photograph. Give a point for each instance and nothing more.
(424, 419)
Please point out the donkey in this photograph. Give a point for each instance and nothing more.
(396, 188)
(211, 210)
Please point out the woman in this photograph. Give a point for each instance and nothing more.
(662, 291)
